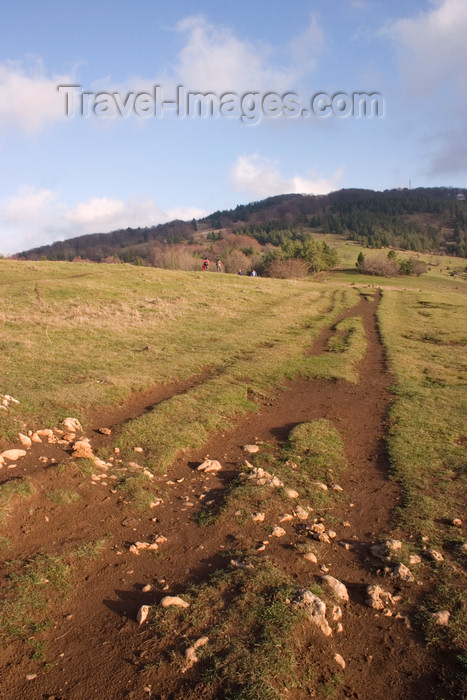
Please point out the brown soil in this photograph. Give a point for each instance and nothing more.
(96, 650)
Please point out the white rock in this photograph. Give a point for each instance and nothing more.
(210, 465)
(319, 485)
(435, 555)
(337, 587)
(35, 438)
(338, 658)
(263, 478)
(301, 513)
(404, 573)
(318, 527)
(331, 534)
(441, 617)
(414, 559)
(291, 493)
(309, 556)
(285, 517)
(138, 449)
(147, 588)
(316, 609)
(258, 517)
(13, 455)
(336, 487)
(336, 613)
(143, 612)
(25, 440)
(322, 537)
(169, 600)
(191, 657)
(251, 449)
(340, 627)
(238, 564)
(73, 425)
(377, 597)
(457, 522)
(278, 532)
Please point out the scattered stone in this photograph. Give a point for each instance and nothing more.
(336, 613)
(138, 449)
(291, 493)
(278, 532)
(338, 658)
(190, 654)
(147, 588)
(239, 564)
(25, 440)
(346, 523)
(73, 425)
(169, 600)
(13, 455)
(318, 527)
(285, 518)
(331, 534)
(258, 517)
(435, 555)
(336, 487)
(263, 478)
(322, 537)
(319, 485)
(441, 617)
(31, 676)
(46, 432)
(337, 587)
(143, 612)
(463, 547)
(210, 465)
(301, 513)
(385, 549)
(82, 449)
(339, 628)
(347, 546)
(377, 598)
(457, 522)
(324, 569)
(403, 572)
(310, 556)
(133, 549)
(251, 449)
(148, 474)
(104, 431)
(414, 559)
(316, 609)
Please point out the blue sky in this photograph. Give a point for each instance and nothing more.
(66, 176)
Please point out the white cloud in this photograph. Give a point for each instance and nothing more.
(28, 98)
(431, 46)
(260, 177)
(215, 59)
(432, 54)
(34, 217)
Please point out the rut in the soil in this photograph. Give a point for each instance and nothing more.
(97, 653)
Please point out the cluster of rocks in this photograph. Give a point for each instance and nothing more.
(6, 400)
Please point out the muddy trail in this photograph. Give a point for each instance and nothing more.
(95, 649)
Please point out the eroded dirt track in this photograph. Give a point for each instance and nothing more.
(96, 650)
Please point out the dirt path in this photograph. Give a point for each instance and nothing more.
(98, 651)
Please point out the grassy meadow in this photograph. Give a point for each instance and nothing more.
(80, 337)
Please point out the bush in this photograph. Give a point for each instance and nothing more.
(380, 266)
(293, 268)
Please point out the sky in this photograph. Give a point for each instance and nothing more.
(120, 161)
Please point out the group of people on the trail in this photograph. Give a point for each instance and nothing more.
(220, 267)
(207, 265)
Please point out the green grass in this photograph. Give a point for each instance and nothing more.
(101, 332)
(62, 497)
(426, 340)
(11, 490)
(252, 653)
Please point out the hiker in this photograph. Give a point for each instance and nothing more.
(240, 272)
(206, 265)
(254, 273)
(219, 266)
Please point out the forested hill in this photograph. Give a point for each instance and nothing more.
(423, 219)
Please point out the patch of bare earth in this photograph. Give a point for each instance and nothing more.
(95, 649)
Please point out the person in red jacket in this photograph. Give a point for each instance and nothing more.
(206, 265)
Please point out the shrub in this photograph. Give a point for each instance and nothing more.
(293, 268)
(380, 266)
